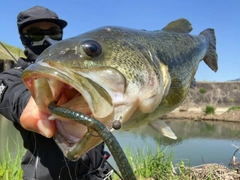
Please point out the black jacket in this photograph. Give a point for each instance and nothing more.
(43, 159)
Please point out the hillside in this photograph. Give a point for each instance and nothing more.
(220, 95)
(16, 52)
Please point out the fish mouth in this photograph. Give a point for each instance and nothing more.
(68, 133)
(81, 94)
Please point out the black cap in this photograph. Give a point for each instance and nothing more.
(38, 14)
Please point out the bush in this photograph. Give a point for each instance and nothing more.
(202, 90)
(210, 110)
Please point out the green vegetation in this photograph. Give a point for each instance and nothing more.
(10, 167)
(209, 110)
(202, 90)
(234, 108)
(146, 166)
(156, 166)
(231, 100)
(159, 167)
(16, 52)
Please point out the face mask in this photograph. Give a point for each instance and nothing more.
(35, 48)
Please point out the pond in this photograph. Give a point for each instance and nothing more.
(198, 141)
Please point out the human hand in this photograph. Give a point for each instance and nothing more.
(33, 119)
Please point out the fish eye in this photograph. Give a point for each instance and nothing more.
(92, 48)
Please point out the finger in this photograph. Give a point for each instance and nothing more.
(33, 119)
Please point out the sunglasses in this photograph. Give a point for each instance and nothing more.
(37, 34)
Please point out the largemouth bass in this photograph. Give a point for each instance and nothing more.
(117, 74)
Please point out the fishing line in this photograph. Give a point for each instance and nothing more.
(105, 160)
(12, 65)
(8, 52)
(34, 151)
(69, 172)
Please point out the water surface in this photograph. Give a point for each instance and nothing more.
(198, 141)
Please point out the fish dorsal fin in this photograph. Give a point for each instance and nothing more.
(180, 25)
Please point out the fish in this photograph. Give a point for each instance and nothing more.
(118, 75)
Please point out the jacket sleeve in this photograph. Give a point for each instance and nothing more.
(14, 95)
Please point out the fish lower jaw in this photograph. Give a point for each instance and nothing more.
(67, 133)
(65, 139)
(64, 143)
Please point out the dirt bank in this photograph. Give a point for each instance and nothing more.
(221, 114)
(220, 95)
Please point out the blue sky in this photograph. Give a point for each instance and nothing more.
(85, 15)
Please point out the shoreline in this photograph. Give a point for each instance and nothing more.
(198, 114)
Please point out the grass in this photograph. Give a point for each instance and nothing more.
(10, 167)
(234, 108)
(150, 166)
(146, 166)
(157, 166)
(15, 51)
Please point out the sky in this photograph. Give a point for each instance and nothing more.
(85, 15)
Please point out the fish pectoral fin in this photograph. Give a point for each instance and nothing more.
(161, 127)
(180, 25)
